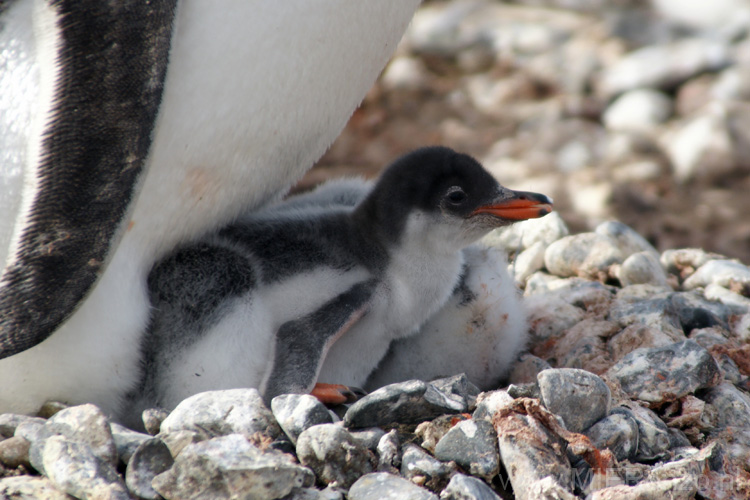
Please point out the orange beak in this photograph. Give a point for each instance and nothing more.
(521, 206)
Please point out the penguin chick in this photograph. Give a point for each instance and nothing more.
(479, 331)
(262, 302)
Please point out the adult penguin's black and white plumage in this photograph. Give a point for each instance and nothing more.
(129, 127)
(287, 297)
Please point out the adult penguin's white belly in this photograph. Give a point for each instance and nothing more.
(255, 91)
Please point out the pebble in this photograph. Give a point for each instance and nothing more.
(640, 268)
(334, 455)
(297, 412)
(384, 486)
(9, 422)
(14, 452)
(126, 441)
(389, 459)
(719, 272)
(663, 66)
(686, 260)
(152, 419)
(535, 452)
(432, 431)
(220, 413)
(525, 234)
(588, 255)
(657, 313)
(635, 337)
(152, 457)
(369, 438)
(579, 397)
(639, 110)
(423, 469)
(654, 439)
(674, 489)
(463, 487)
(472, 444)
(526, 369)
(75, 469)
(31, 488)
(661, 374)
(231, 467)
(405, 402)
(618, 433)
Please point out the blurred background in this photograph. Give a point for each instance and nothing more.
(633, 110)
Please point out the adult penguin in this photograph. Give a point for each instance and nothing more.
(129, 127)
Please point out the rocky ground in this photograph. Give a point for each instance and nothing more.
(635, 387)
(635, 384)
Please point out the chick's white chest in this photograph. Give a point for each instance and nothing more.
(416, 283)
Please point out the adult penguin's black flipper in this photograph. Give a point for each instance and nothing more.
(100, 85)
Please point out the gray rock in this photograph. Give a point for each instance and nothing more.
(618, 432)
(220, 413)
(30, 488)
(686, 259)
(463, 487)
(153, 418)
(533, 457)
(389, 459)
(76, 470)
(634, 337)
(433, 431)
(693, 466)
(473, 446)
(88, 425)
(525, 234)
(528, 262)
(549, 315)
(51, 408)
(151, 458)
(458, 386)
(31, 429)
(524, 391)
(664, 66)
(421, 468)
(384, 486)
(657, 313)
(739, 304)
(14, 452)
(695, 312)
(84, 424)
(177, 440)
(230, 467)
(732, 405)
(126, 441)
(653, 435)
(369, 438)
(579, 397)
(702, 146)
(719, 272)
(9, 422)
(405, 402)
(314, 494)
(639, 110)
(667, 373)
(588, 255)
(674, 489)
(527, 368)
(297, 412)
(334, 455)
(642, 267)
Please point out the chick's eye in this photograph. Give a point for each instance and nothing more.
(456, 196)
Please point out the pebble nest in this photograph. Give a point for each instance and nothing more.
(635, 385)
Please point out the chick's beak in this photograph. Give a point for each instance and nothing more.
(521, 205)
